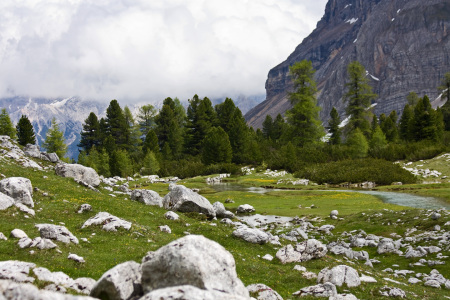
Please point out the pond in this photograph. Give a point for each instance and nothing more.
(402, 199)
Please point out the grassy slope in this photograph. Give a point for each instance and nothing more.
(106, 249)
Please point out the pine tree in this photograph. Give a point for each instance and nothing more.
(54, 140)
(225, 112)
(378, 140)
(150, 165)
(216, 147)
(333, 127)
(389, 126)
(303, 117)
(424, 126)
(445, 89)
(117, 125)
(90, 133)
(150, 143)
(25, 132)
(406, 124)
(358, 96)
(146, 118)
(267, 127)
(412, 98)
(239, 136)
(6, 126)
(357, 143)
(120, 164)
(168, 130)
(279, 126)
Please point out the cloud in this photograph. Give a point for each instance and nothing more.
(139, 50)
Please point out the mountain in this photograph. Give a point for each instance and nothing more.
(403, 44)
(70, 114)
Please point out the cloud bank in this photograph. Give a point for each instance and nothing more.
(140, 50)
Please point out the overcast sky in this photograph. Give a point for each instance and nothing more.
(146, 50)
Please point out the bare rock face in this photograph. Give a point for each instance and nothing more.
(147, 197)
(192, 260)
(79, 173)
(18, 188)
(340, 275)
(57, 232)
(387, 37)
(304, 251)
(182, 199)
(120, 283)
(189, 292)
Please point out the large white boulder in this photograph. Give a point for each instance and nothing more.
(221, 212)
(79, 173)
(19, 189)
(304, 251)
(5, 201)
(148, 197)
(192, 260)
(56, 232)
(122, 282)
(183, 199)
(252, 235)
(386, 245)
(109, 222)
(189, 292)
(339, 275)
(16, 270)
(32, 151)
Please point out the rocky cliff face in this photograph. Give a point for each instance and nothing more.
(403, 44)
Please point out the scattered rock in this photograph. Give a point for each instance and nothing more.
(368, 279)
(245, 208)
(343, 297)
(251, 235)
(121, 282)
(321, 290)
(51, 157)
(148, 197)
(84, 208)
(24, 242)
(189, 292)
(386, 245)
(58, 278)
(79, 173)
(221, 212)
(165, 229)
(5, 201)
(18, 234)
(16, 270)
(304, 251)
(339, 275)
(392, 292)
(109, 222)
(263, 292)
(76, 258)
(268, 257)
(19, 189)
(228, 200)
(32, 151)
(42, 244)
(3, 237)
(25, 209)
(56, 232)
(182, 199)
(192, 260)
(435, 215)
(299, 268)
(334, 214)
(170, 215)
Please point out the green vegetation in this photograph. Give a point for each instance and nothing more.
(25, 131)
(54, 141)
(6, 126)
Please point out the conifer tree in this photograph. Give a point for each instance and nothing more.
(225, 112)
(378, 140)
(267, 127)
(120, 164)
(303, 117)
(333, 127)
(146, 118)
(54, 140)
(357, 143)
(389, 126)
(168, 130)
(117, 124)
(6, 126)
(359, 95)
(90, 133)
(150, 165)
(412, 98)
(424, 126)
(25, 131)
(406, 124)
(445, 89)
(239, 136)
(150, 143)
(279, 126)
(216, 147)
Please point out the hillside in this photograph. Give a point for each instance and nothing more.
(403, 45)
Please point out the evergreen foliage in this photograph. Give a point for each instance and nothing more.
(444, 88)
(169, 131)
(216, 147)
(424, 125)
(406, 130)
(412, 98)
(25, 131)
(116, 125)
(333, 127)
(378, 140)
(146, 118)
(120, 164)
(6, 126)
(54, 140)
(90, 133)
(357, 142)
(150, 165)
(150, 143)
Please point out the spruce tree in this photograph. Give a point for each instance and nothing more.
(150, 143)
(378, 140)
(357, 142)
(359, 95)
(6, 126)
(389, 126)
(279, 126)
(216, 147)
(25, 131)
(168, 130)
(117, 125)
(303, 117)
(333, 127)
(444, 88)
(146, 118)
(225, 112)
(406, 124)
(412, 98)
(267, 127)
(239, 136)
(54, 140)
(150, 165)
(90, 133)
(424, 126)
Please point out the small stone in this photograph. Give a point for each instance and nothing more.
(76, 258)
(18, 234)
(165, 229)
(268, 257)
(299, 268)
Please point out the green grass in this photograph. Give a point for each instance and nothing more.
(107, 249)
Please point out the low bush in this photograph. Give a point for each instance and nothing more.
(379, 171)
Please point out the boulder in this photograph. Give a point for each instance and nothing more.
(109, 222)
(76, 258)
(343, 297)
(333, 214)
(189, 292)
(24, 242)
(84, 208)
(339, 275)
(386, 245)
(252, 235)
(182, 199)
(192, 260)
(42, 244)
(18, 234)
(304, 251)
(245, 208)
(58, 278)
(392, 292)
(148, 197)
(170, 215)
(263, 292)
(32, 151)
(165, 229)
(83, 285)
(51, 157)
(3, 237)
(56, 232)
(122, 282)
(16, 270)
(435, 215)
(25, 209)
(321, 290)
(79, 173)
(221, 212)
(19, 189)
(5, 201)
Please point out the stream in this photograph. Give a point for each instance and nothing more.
(402, 199)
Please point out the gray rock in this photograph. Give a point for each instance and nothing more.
(386, 245)
(221, 212)
(42, 244)
(58, 278)
(333, 214)
(18, 234)
(32, 151)
(24, 242)
(56, 232)
(79, 173)
(252, 235)
(192, 260)
(16, 270)
(122, 282)
(435, 216)
(84, 208)
(321, 290)
(165, 229)
(343, 297)
(263, 292)
(304, 251)
(55, 288)
(432, 283)
(5, 201)
(419, 252)
(109, 222)
(188, 292)
(339, 275)
(3, 237)
(19, 189)
(414, 280)
(25, 209)
(76, 258)
(170, 215)
(245, 208)
(51, 157)
(182, 199)
(392, 292)
(148, 197)
(83, 285)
